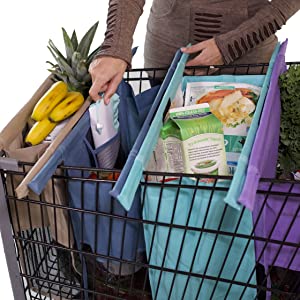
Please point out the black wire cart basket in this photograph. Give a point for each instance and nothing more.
(43, 267)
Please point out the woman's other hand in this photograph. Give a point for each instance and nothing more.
(107, 73)
(209, 55)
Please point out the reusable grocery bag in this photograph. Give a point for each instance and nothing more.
(264, 155)
(118, 238)
(276, 208)
(28, 216)
(208, 252)
(223, 263)
(131, 174)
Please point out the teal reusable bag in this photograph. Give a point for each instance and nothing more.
(211, 255)
(198, 247)
(132, 173)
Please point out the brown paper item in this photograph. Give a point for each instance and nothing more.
(22, 190)
(17, 123)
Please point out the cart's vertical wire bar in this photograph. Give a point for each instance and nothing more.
(146, 279)
(8, 243)
(83, 260)
(21, 243)
(140, 81)
(200, 237)
(56, 236)
(267, 240)
(71, 257)
(31, 245)
(169, 234)
(184, 236)
(45, 248)
(97, 208)
(154, 74)
(111, 211)
(228, 252)
(124, 221)
(54, 208)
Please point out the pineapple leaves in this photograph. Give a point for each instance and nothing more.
(56, 51)
(74, 40)
(63, 65)
(79, 66)
(51, 63)
(68, 45)
(73, 68)
(85, 43)
(59, 75)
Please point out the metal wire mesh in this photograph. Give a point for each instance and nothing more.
(51, 270)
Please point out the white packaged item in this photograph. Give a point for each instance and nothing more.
(191, 141)
(104, 128)
(233, 104)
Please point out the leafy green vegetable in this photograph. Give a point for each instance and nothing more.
(289, 145)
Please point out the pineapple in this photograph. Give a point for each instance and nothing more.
(73, 68)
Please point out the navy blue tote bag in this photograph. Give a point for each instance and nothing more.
(102, 234)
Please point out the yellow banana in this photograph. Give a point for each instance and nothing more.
(68, 106)
(39, 131)
(50, 99)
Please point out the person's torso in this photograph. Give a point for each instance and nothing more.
(176, 23)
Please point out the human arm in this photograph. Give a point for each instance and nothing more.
(251, 33)
(229, 46)
(114, 56)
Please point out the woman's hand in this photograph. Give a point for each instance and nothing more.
(209, 55)
(107, 73)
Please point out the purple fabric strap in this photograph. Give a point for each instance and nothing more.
(263, 159)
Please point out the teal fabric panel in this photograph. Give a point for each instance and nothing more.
(206, 253)
(125, 190)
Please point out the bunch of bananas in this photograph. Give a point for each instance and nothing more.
(56, 105)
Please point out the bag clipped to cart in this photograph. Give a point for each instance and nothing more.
(208, 264)
(28, 216)
(276, 209)
(33, 214)
(91, 144)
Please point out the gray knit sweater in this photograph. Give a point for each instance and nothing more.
(244, 29)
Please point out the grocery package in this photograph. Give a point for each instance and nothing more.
(191, 141)
(104, 128)
(233, 104)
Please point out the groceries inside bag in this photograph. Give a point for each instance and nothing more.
(233, 104)
(191, 141)
(184, 146)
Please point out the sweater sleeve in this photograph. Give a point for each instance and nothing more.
(121, 22)
(251, 33)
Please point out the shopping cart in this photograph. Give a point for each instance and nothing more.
(42, 268)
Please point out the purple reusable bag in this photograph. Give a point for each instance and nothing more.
(275, 206)
(264, 155)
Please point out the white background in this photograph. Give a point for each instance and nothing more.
(26, 27)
